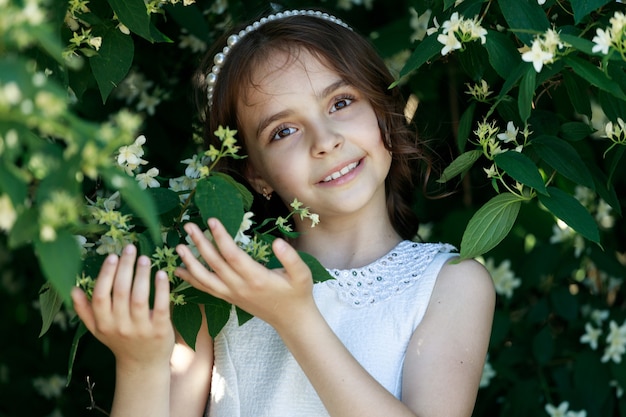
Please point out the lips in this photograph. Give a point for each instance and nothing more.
(343, 171)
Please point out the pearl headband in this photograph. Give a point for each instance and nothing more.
(220, 57)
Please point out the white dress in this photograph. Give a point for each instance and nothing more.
(374, 310)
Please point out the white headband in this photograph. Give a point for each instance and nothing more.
(220, 57)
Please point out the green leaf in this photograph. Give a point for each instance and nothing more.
(604, 189)
(521, 169)
(319, 273)
(191, 18)
(523, 17)
(579, 43)
(242, 316)
(594, 76)
(503, 55)
(113, 60)
(526, 93)
(568, 209)
(424, 52)
(217, 315)
(543, 346)
(460, 165)
(164, 199)
(582, 8)
(80, 332)
(50, 304)
(217, 310)
(134, 15)
(564, 303)
(575, 131)
(187, 320)
(11, 183)
(465, 126)
(562, 156)
(577, 90)
(25, 228)
(139, 200)
(246, 195)
(489, 225)
(60, 262)
(218, 197)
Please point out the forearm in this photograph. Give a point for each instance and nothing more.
(343, 385)
(190, 385)
(141, 391)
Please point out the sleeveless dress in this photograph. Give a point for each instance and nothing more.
(374, 311)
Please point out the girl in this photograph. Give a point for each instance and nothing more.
(400, 331)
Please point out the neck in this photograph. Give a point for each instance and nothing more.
(348, 242)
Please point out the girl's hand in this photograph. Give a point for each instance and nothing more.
(276, 296)
(119, 313)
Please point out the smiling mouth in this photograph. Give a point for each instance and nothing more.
(342, 172)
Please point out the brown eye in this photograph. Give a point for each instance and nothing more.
(341, 103)
(283, 132)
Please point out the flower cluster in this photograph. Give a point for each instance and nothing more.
(459, 30)
(544, 49)
(616, 133)
(613, 37)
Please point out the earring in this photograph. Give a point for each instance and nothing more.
(266, 194)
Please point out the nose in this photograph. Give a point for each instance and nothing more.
(325, 138)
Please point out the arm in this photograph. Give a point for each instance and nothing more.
(283, 298)
(446, 355)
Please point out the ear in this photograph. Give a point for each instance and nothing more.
(256, 180)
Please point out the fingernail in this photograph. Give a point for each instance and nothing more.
(129, 249)
(188, 228)
(143, 260)
(111, 259)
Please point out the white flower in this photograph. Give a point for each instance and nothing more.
(581, 413)
(453, 24)
(504, 279)
(11, 93)
(537, 56)
(148, 180)
(419, 24)
(96, 42)
(619, 391)
(510, 135)
(602, 41)
(241, 238)
(129, 157)
(616, 343)
(50, 387)
(598, 316)
(559, 411)
(433, 29)
(449, 41)
(541, 2)
(591, 336)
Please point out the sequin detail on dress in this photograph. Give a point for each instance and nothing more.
(387, 276)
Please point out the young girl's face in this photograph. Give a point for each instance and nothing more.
(313, 137)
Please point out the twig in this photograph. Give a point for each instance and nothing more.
(93, 405)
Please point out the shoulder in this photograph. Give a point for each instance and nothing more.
(463, 279)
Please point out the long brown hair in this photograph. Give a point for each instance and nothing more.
(355, 60)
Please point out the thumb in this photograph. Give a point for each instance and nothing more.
(83, 308)
(290, 259)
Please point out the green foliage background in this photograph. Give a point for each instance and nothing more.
(69, 138)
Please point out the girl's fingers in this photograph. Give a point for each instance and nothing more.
(101, 297)
(123, 282)
(290, 259)
(161, 309)
(139, 299)
(231, 262)
(83, 309)
(198, 275)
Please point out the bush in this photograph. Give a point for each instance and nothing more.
(524, 100)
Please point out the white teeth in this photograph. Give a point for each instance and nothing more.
(342, 172)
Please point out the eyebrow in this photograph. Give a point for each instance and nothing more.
(324, 93)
